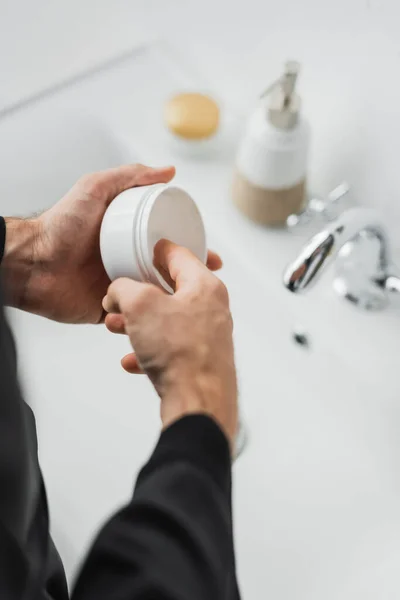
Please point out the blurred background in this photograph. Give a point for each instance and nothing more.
(349, 51)
(83, 84)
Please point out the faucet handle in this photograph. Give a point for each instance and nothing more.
(320, 209)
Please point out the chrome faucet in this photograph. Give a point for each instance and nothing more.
(358, 243)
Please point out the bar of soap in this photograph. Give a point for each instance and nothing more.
(192, 116)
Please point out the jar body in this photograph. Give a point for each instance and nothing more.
(118, 235)
(270, 177)
(137, 219)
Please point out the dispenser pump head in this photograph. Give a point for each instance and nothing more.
(284, 104)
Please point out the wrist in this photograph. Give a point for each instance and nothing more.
(202, 394)
(20, 259)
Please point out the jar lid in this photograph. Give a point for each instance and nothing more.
(168, 212)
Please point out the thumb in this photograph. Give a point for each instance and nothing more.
(181, 265)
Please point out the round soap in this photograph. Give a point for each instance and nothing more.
(192, 116)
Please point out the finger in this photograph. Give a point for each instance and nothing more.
(179, 263)
(115, 323)
(131, 364)
(109, 306)
(130, 297)
(214, 261)
(122, 178)
(117, 291)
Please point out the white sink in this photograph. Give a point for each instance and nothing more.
(42, 152)
(317, 491)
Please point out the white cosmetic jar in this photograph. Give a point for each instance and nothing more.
(137, 219)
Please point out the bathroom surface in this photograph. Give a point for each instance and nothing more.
(316, 491)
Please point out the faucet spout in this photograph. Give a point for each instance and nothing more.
(322, 249)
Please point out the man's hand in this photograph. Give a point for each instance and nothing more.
(182, 342)
(52, 264)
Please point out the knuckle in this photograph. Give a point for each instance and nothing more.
(139, 166)
(91, 183)
(219, 290)
(87, 179)
(143, 298)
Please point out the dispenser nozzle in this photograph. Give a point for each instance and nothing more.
(288, 81)
(284, 105)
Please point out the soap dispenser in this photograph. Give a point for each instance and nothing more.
(270, 176)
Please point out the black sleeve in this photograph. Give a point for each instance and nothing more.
(30, 567)
(174, 540)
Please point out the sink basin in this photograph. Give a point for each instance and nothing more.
(316, 492)
(33, 147)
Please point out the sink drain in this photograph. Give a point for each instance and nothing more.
(301, 338)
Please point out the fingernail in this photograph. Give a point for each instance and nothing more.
(105, 303)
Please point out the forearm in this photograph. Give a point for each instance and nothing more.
(174, 540)
(20, 259)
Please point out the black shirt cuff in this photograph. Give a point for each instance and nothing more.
(196, 439)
